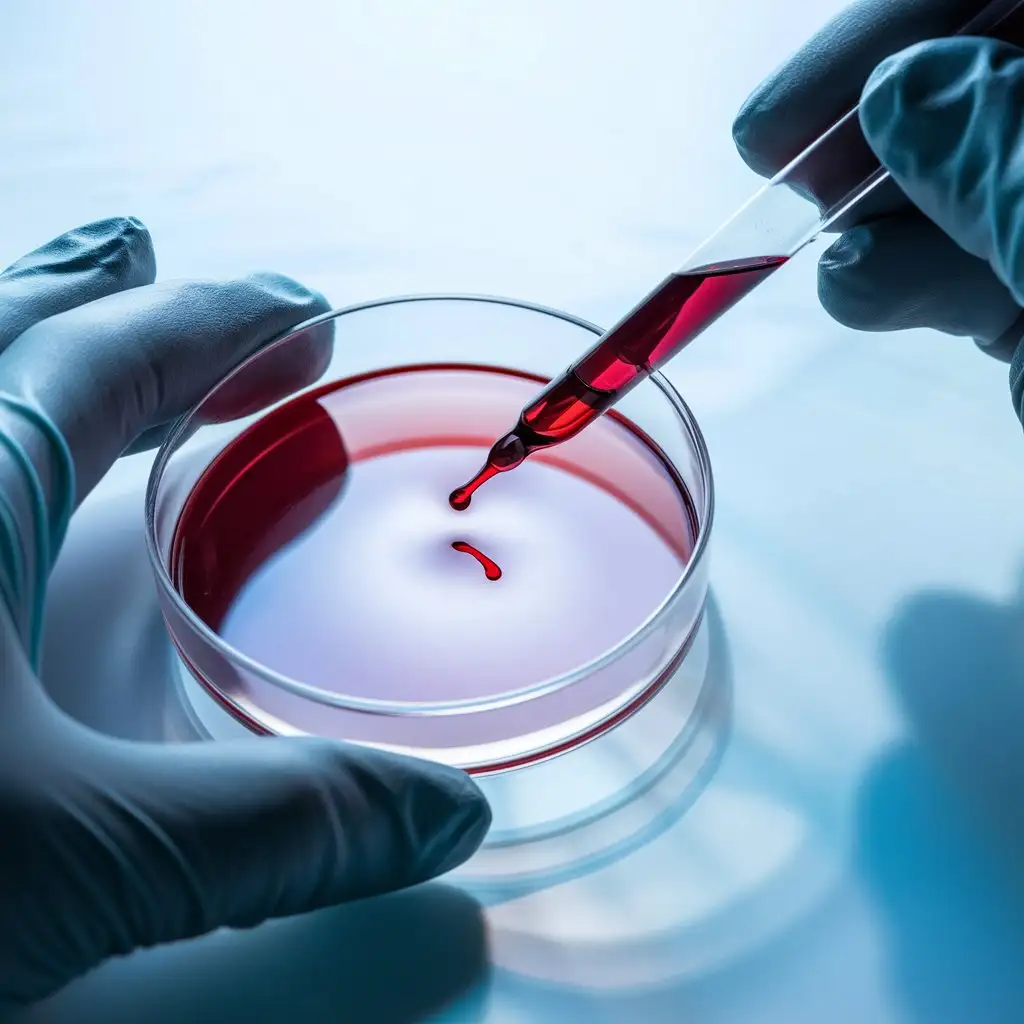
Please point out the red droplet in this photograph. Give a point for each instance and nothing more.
(460, 498)
(491, 569)
(506, 453)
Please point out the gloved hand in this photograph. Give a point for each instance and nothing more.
(107, 845)
(944, 247)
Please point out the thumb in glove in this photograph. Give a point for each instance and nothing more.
(109, 845)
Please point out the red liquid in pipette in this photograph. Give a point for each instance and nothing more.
(665, 323)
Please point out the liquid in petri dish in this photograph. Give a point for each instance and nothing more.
(675, 313)
(320, 542)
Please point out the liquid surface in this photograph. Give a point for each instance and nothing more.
(675, 313)
(339, 563)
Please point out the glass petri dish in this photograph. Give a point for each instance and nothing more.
(314, 580)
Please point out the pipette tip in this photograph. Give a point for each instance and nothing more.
(506, 453)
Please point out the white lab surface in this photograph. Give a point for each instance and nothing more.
(849, 856)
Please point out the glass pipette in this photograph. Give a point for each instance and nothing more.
(803, 200)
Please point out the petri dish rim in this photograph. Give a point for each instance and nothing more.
(367, 705)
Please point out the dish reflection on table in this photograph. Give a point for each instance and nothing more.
(572, 814)
(710, 866)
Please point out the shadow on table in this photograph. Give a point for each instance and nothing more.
(939, 845)
(391, 960)
(941, 818)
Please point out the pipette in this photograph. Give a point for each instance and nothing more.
(807, 197)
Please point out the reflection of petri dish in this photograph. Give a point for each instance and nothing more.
(564, 818)
(315, 581)
(568, 817)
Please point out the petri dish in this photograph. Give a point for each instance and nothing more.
(315, 581)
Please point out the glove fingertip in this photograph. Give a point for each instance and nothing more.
(470, 824)
(137, 245)
(445, 812)
(287, 291)
(842, 289)
(753, 136)
(121, 246)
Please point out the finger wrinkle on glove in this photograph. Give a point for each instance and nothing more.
(36, 464)
(111, 369)
(76, 268)
(110, 245)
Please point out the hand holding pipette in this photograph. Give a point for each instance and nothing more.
(933, 114)
(941, 250)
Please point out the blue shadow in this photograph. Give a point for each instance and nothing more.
(941, 818)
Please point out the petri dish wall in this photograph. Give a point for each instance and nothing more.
(315, 581)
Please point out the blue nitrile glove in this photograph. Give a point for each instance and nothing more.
(107, 845)
(944, 249)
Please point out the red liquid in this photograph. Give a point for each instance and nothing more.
(679, 309)
(491, 569)
(339, 563)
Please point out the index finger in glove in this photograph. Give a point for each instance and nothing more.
(820, 84)
(142, 357)
(816, 86)
(274, 372)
